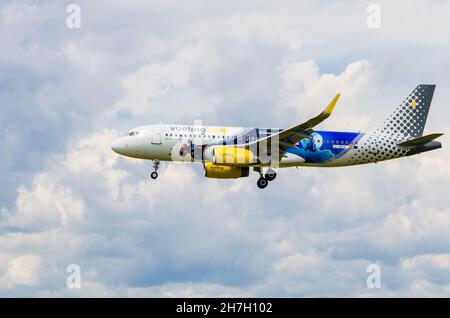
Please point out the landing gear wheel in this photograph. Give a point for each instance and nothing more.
(154, 174)
(271, 175)
(262, 183)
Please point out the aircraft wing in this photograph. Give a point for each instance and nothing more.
(289, 137)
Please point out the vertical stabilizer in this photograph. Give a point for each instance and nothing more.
(409, 118)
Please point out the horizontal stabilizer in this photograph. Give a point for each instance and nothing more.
(419, 141)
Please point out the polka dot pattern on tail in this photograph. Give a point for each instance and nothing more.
(406, 122)
(408, 119)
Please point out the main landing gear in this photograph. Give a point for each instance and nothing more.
(270, 174)
(264, 178)
(262, 183)
(154, 174)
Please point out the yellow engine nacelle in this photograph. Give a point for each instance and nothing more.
(229, 155)
(225, 172)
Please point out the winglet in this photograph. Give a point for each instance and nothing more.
(331, 106)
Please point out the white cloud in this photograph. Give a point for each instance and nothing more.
(45, 205)
(308, 92)
(24, 270)
(66, 198)
(243, 28)
(154, 80)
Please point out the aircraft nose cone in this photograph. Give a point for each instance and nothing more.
(117, 147)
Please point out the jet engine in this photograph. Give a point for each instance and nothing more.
(225, 172)
(229, 155)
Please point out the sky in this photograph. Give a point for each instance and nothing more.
(66, 198)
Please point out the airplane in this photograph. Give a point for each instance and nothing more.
(230, 152)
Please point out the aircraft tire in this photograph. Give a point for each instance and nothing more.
(270, 175)
(262, 183)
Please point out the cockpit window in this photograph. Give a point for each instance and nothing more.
(133, 133)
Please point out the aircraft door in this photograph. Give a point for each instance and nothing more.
(156, 135)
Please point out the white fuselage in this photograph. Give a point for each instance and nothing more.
(160, 141)
(174, 142)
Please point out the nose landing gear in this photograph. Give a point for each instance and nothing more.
(154, 174)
